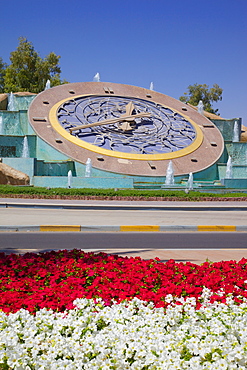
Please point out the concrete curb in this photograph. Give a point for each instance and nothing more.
(125, 228)
(141, 207)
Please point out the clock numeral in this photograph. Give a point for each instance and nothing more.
(208, 125)
(40, 119)
(108, 90)
(152, 166)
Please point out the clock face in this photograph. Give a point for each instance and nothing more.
(125, 129)
(125, 125)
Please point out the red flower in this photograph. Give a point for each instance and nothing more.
(55, 279)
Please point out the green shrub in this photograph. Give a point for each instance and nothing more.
(64, 192)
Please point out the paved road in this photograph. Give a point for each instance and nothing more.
(180, 246)
(126, 240)
(195, 247)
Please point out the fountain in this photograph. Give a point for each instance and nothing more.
(169, 175)
(88, 171)
(1, 125)
(59, 169)
(235, 138)
(190, 182)
(25, 148)
(151, 86)
(200, 107)
(11, 104)
(48, 85)
(97, 77)
(69, 178)
(229, 174)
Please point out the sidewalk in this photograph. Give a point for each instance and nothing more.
(181, 255)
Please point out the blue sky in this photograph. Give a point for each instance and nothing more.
(171, 43)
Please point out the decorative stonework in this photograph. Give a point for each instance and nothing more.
(107, 122)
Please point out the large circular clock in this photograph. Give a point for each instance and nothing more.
(125, 129)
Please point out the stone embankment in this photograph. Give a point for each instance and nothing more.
(11, 176)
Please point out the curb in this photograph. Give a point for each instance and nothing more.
(112, 207)
(125, 228)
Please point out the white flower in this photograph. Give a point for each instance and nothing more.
(126, 336)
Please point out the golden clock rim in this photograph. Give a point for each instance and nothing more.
(117, 154)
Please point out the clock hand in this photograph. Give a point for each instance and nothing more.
(129, 109)
(127, 125)
(129, 118)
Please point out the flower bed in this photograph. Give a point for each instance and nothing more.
(55, 279)
(127, 336)
(76, 310)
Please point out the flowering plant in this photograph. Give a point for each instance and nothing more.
(75, 310)
(134, 335)
(55, 279)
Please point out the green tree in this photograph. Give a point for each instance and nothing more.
(2, 73)
(28, 71)
(198, 92)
